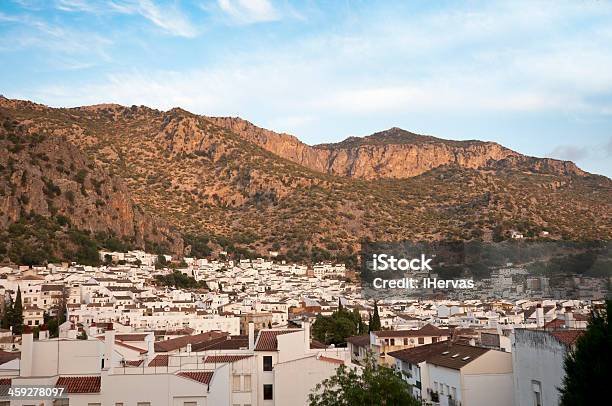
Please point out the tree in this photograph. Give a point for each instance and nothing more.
(17, 319)
(82, 336)
(7, 317)
(373, 385)
(361, 327)
(336, 328)
(589, 365)
(375, 320)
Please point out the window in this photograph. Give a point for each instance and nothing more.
(61, 402)
(536, 386)
(5, 403)
(236, 383)
(119, 404)
(247, 383)
(421, 340)
(393, 341)
(267, 392)
(190, 404)
(267, 363)
(405, 341)
(434, 339)
(454, 392)
(143, 404)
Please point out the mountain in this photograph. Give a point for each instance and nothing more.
(225, 183)
(55, 203)
(394, 153)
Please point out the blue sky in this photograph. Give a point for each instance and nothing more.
(535, 76)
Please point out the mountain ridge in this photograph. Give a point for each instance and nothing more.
(227, 185)
(392, 153)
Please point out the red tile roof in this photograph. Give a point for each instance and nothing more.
(416, 355)
(315, 344)
(332, 360)
(131, 337)
(202, 377)
(359, 341)
(79, 384)
(267, 339)
(455, 356)
(223, 343)
(135, 363)
(160, 360)
(131, 347)
(211, 359)
(180, 342)
(5, 384)
(554, 324)
(567, 337)
(425, 331)
(6, 356)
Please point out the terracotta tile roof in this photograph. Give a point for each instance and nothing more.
(455, 356)
(5, 384)
(135, 363)
(202, 377)
(79, 384)
(267, 339)
(416, 355)
(160, 360)
(223, 343)
(212, 359)
(51, 288)
(180, 342)
(130, 337)
(332, 360)
(554, 324)
(6, 356)
(359, 341)
(426, 330)
(315, 344)
(131, 347)
(567, 337)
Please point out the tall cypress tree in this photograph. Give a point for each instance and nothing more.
(375, 320)
(18, 314)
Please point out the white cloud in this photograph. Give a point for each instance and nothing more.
(249, 11)
(168, 18)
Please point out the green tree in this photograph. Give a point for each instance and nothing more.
(372, 385)
(589, 365)
(7, 316)
(336, 328)
(17, 319)
(375, 320)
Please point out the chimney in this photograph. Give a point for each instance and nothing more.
(472, 342)
(27, 349)
(188, 348)
(569, 320)
(540, 316)
(306, 325)
(43, 333)
(150, 341)
(251, 336)
(109, 348)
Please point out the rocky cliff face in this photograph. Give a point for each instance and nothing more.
(394, 153)
(45, 177)
(249, 190)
